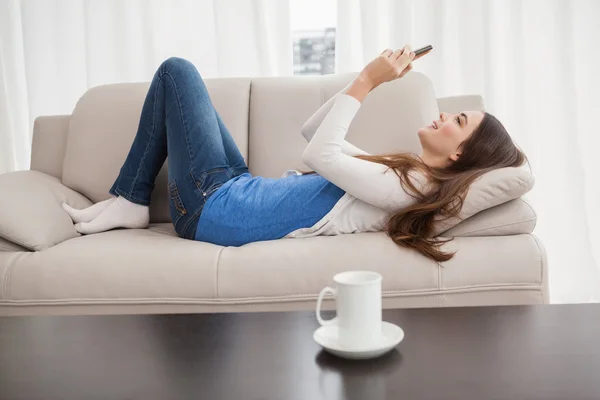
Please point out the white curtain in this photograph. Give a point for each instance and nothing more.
(52, 51)
(537, 65)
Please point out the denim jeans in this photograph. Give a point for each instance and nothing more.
(178, 119)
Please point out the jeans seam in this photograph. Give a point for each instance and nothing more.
(175, 221)
(183, 120)
(210, 172)
(137, 175)
(191, 219)
(198, 184)
(176, 198)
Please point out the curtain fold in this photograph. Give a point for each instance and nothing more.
(52, 51)
(536, 65)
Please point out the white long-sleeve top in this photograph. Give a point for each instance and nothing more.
(373, 192)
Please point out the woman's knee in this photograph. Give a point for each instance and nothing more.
(177, 65)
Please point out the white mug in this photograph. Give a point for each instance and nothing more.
(358, 301)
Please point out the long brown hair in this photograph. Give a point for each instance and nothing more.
(489, 147)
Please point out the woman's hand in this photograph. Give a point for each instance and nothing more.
(390, 65)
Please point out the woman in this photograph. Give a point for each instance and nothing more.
(214, 198)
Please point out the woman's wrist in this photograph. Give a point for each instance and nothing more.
(360, 88)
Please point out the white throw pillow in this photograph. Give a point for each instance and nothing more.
(491, 189)
(31, 213)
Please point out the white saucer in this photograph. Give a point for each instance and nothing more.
(326, 336)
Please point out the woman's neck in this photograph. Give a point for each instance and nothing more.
(432, 160)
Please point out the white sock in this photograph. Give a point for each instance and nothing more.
(121, 213)
(87, 214)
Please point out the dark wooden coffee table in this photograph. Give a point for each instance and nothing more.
(540, 352)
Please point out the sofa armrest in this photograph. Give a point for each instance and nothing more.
(31, 213)
(48, 146)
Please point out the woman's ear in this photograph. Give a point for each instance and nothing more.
(455, 156)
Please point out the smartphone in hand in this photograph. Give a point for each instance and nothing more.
(423, 50)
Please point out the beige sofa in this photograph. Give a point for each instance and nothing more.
(48, 268)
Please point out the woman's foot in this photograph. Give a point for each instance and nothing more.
(87, 214)
(121, 213)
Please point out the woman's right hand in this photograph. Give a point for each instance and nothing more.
(388, 66)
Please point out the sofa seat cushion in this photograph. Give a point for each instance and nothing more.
(144, 267)
(116, 267)
(166, 228)
(297, 269)
(31, 214)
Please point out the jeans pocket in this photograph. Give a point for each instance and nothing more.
(209, 178)
(176, 198)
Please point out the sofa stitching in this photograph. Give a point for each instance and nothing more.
(439, 273)
(541, 260)
(217, 271)
(532, 210)
(225, 302)
(8, 274)
(533, 290)
(498, 226)
(311, 296)
(528, 205)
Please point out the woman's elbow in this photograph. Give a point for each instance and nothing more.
(313, 158)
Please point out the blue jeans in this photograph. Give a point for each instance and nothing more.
(178, 119)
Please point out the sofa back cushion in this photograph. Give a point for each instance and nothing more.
(105, 121)
(389, 119)
(265, 116)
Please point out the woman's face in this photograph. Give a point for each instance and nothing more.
(441, 140)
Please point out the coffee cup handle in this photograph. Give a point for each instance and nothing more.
(325, 290)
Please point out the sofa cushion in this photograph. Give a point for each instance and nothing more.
(48, 144)
(280, 106)
(117, 267)
(510, 218)
(6, 245)
(456, 104)
(296, 269)
(105, 121)
(142, 267)
(166, 228)
(31, 214)
(490, 190)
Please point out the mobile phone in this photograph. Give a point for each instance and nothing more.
(423, 50)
